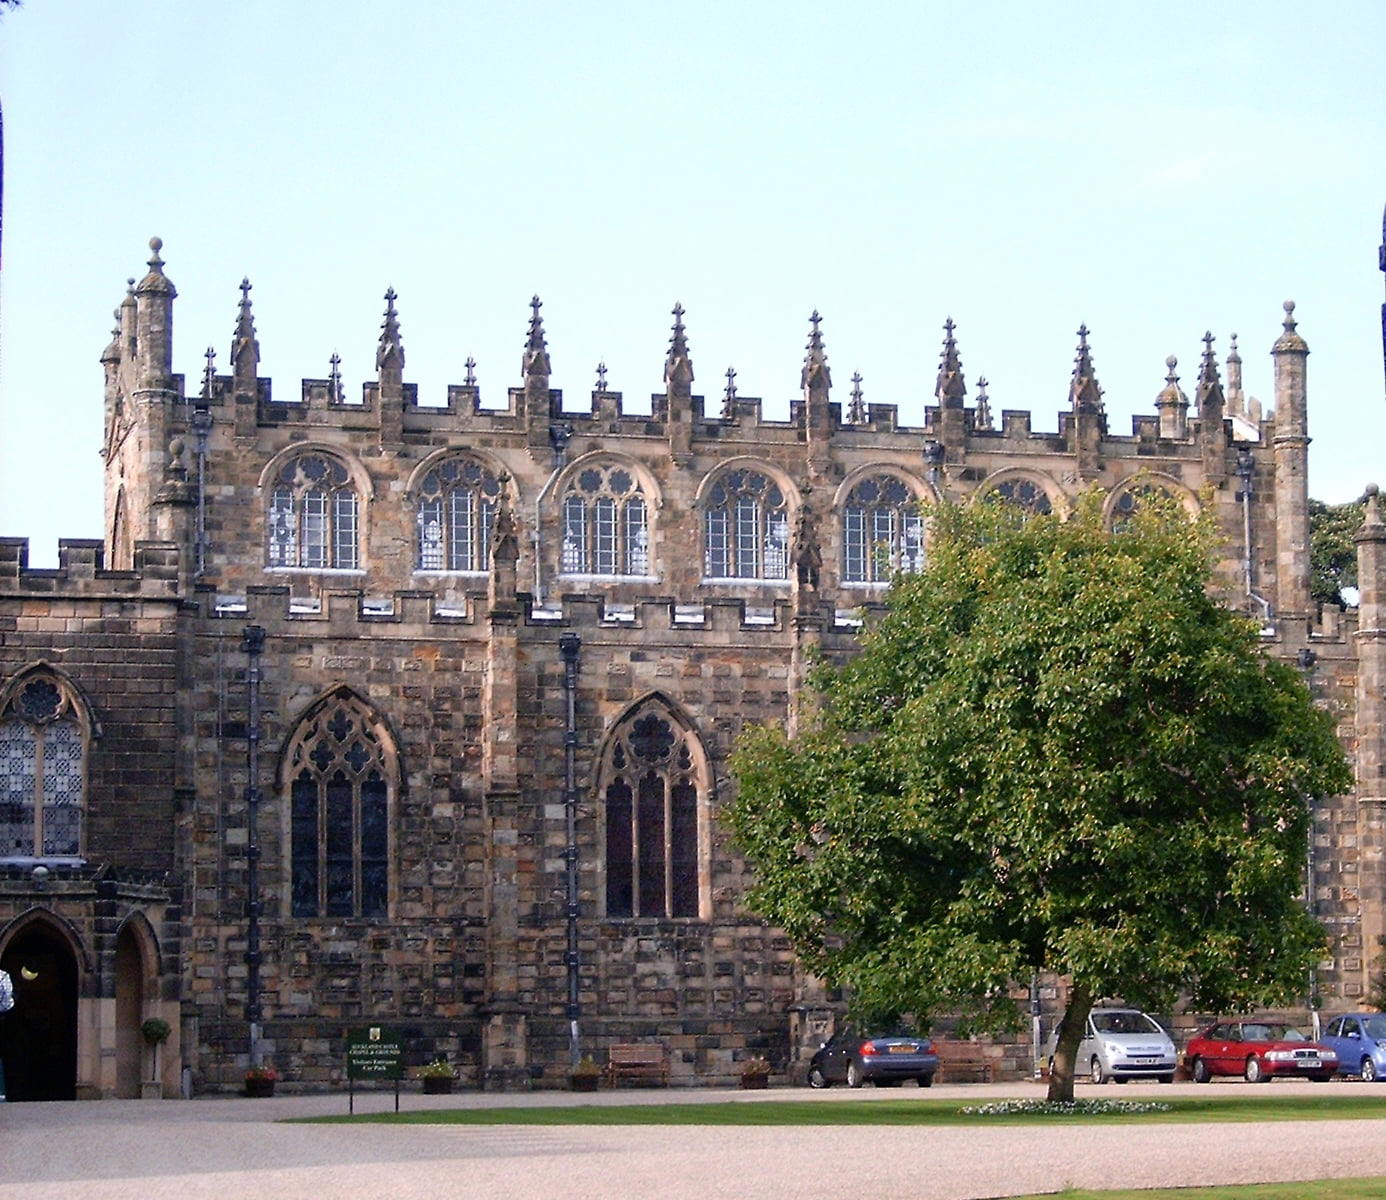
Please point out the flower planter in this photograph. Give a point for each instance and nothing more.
(584, 1083)
(755, 1082)
(259, 1087)
(437, 1085)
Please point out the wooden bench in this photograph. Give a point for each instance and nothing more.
(962, 1061)
(637, 1060)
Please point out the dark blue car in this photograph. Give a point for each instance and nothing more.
(885, 1059)
(1360, 1040)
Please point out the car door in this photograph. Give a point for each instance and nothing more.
(1222, 1051)
(1348, 1040)
(835, 1056)
(1086, 1048)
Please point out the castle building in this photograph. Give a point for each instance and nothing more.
(367, 710)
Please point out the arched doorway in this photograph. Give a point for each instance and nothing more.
(129, 1012)
(38, 1037)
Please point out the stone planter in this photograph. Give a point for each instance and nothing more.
(437, 1085)
(752, 1083)
(259, 1088)
(151, 1089)
(584, 1083)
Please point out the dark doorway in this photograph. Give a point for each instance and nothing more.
(38, 1036)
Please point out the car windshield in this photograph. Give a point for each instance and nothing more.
(1271, 1032)
(1376, 1027)
(1124, 1022)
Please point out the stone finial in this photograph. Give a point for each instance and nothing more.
(1372, 514)
(678, 366)
(601, 376)
(1084, 392)
(983, 418)
(856, 407)
(156, 280)
(535, 361)
(390, 351)
(808, 557)
(950, 387)
(1290, 342)
(1210, 396)
(469, 380)
(729, 395)
(335, 395)
(505, 545)
(1232, 354)
(245, 350)
(1171, 391)
(816, 359)
(209, 373)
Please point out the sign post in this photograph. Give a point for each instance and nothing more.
(374, 1052)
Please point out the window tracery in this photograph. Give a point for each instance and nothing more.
(313, 515)
(1025, 494)
(1127, 501)
(605, 523)
(457, 508)
(651, 785)
(745, 528)
(42, 771)
(340, 775)
(882, 530)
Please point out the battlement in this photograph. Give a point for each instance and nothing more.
(81, 571)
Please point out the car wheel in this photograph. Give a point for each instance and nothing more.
(1095, 1071)
(816, 1078)
(854, 1079)
(1369, 1071)
(926, 1081)
(1255, 1071)
(1165, 1078)
(1200, 1071)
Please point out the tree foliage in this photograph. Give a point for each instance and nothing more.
(1057, 751)
(1332, 552)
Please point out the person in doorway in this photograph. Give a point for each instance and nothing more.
(6, 1003)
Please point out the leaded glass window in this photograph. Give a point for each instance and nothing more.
(745, 528)
(1025, 494)
(651, 784)
(339, 773)
(605, 524)
(313, 516)
(42, 771)
(457, 510)
(882, 531)
(1125, 505)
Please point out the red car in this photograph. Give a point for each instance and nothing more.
(1258, 1051)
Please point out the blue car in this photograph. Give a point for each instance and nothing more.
(1360, 1040)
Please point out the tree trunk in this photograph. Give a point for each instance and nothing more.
(1066, 1048)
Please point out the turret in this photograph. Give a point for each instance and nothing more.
(1212, 433)
(1291, 472)
(389, 365)
(1172, 405)
(816, 380)
(154, 296)
(678, 392)
(1089, 418)
(1369, 721)
(950, 390)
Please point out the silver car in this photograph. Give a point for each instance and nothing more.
(1121, 1044)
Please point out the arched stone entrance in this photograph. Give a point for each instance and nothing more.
(38, 1037)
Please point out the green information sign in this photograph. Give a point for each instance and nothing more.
(374, 1053)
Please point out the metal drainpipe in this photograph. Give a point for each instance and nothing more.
(202, 426)
(253, 643)
(569, 645)
(1305, 660)
(1246, 466)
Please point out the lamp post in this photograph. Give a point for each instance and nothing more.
(253, 643)
(569, 644)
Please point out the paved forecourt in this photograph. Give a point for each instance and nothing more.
(228, 1146)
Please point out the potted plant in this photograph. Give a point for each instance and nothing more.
(260, 1081)
(437, 1077)
(586, 1075)
(155, 1032)
(755, 1072)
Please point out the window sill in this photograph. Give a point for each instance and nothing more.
(585, 578)
(746, 581)
(441, 573)
(357, 571)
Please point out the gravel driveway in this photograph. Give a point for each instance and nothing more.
(226, 1147)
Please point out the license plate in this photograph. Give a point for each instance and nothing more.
(1310, 1063)
(904, 1049)
(1144, 1061)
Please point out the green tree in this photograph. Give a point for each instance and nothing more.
(1057, 751)
(1332, 552)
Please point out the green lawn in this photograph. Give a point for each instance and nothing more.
(886, 1112)
(1323, 1189)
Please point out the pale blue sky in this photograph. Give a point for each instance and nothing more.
(1154, 170)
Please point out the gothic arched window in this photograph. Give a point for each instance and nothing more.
(882, 531)
(651, 778)
(42, 770)
(313, 515)
(339, 770)
(1126, 502)
(1025, 494)
(457, 507)
(605, 523)
(745, 528)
